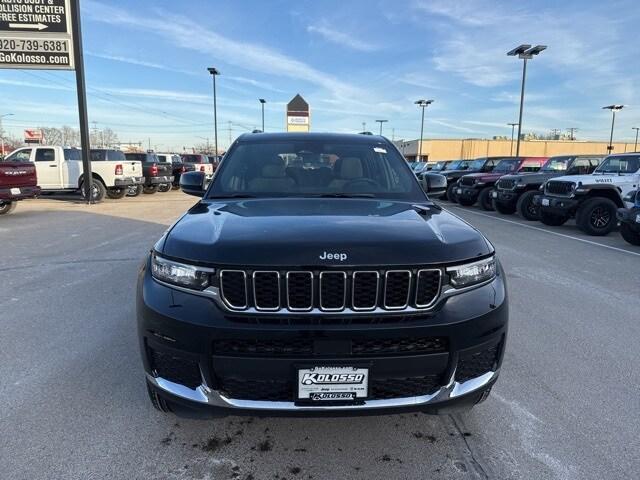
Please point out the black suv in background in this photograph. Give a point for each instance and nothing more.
(479, 165)
(315, 277)
(515, 192)
(158, 175)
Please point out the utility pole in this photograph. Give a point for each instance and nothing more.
(262, 102)
(555, 132)
(364, 127)
(635, 148)
(572, 131)
(381, 122)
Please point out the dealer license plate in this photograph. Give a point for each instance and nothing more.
(15, 191)
(638, 218)
(319, 384)
(545, 202)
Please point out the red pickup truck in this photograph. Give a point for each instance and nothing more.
(18, 181)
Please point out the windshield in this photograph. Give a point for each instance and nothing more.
(457, 165)
(421, 166)
(556, 164)
(192, 158)
(315, 168)
(477, 164)
(622, 164)
(510, 165)
(438, 166)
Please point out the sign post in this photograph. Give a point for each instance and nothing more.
(47, 35)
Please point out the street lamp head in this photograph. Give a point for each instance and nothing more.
(262, 100)
(423, 103)
(519, 50)
(213, 71)
(536, 50)
(382, 121)
(613, 107)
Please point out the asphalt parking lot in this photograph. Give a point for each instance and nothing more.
(74, 403)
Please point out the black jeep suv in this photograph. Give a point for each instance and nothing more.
(316, 277)
(515, 192)
(464, 167)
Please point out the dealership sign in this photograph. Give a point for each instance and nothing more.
(36, 34)
(33, 136)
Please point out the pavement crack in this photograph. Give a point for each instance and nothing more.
(475, 463)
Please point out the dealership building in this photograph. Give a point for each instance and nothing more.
(455, 149)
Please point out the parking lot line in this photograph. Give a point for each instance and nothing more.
(524, 225)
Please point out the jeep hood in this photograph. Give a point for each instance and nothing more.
(490, 176)
(529, 178)
(296, 232)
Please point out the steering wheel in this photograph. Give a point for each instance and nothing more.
(365, 182)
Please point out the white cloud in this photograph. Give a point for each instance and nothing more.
(188, 34)
(341, 38)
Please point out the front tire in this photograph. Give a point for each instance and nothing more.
(6, 207)
(552, 220)
(117, 193)
(150, 189)
(451, 193)
(98, 191)
(597, 216)
(485, 200)
(630, 235)
(503, 208)
(526, 208)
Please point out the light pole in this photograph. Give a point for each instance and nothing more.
(614, 109)
(262, 102)
(207, 140)
(513, 127)
(572, 130)
(422, 104)
(214, 73)
(2, 132)
(381, 122)
(635, 148)
(525, 52)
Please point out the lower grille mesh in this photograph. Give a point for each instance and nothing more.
(176, 368)
(475, 364)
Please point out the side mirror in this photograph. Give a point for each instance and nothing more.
(434, 184)
(193, 183)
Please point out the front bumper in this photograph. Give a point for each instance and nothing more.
(128, 181)
(467, 193)
(188, 329)
(19, 193)
(159, 180)
(564, 206)
(506, 197)
(630, 216)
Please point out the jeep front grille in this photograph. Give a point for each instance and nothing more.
(468, 181)
(505, 184)
(329, 290)
(555, 187)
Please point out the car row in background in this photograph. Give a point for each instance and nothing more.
(31, 171)
(597, 191)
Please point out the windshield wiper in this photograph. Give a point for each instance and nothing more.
(345, 195)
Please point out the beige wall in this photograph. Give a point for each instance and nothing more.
(470, 148)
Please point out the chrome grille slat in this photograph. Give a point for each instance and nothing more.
(236, 289)
(396, 283)
(295, 280)
(268, 297)
(332, 290)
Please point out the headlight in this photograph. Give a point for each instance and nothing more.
(472, 273)
(181, 274)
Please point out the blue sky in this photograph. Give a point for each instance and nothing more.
(354, 62)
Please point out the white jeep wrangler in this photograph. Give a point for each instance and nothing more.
(592, 199)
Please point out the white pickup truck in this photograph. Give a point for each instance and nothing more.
(60, 169)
